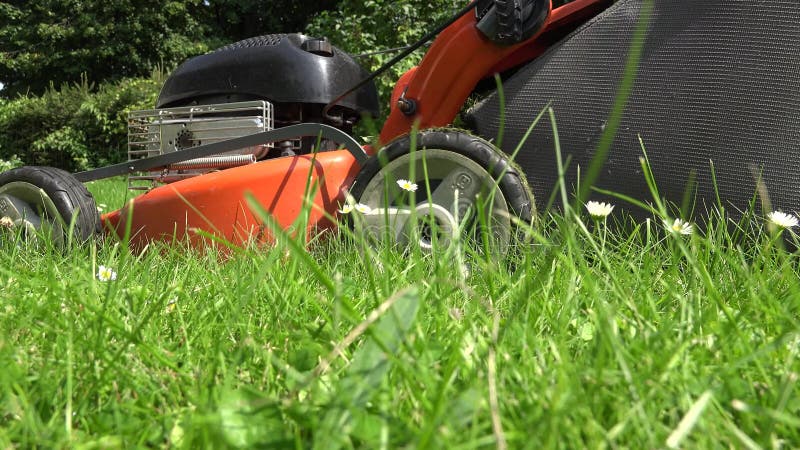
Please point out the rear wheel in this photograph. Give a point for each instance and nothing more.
(46, 199)
(465, 189)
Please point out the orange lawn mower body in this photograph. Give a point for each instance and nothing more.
(217, 202)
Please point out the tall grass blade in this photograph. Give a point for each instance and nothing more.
(367, 370)
(618, 109)
(689, 421)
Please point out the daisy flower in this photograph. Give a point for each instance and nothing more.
(106, 274)
(782, 219)
(679, 226)
(347, 208)
(407, 185)
(6, 222)
(362, 208)
(599, 210)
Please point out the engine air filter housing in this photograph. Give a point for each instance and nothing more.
(281, 68)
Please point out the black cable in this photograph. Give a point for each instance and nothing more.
(397, 58)
(388, 50)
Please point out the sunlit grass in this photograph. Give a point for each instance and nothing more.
(597, 334)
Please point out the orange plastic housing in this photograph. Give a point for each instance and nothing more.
(216, 202)
(460, 57)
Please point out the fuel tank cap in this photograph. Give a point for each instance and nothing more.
(318, 47)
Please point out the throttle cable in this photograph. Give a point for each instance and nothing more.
(408, 50)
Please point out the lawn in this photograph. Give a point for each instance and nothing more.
(590, 335)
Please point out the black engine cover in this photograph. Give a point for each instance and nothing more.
(719, 80)
(282, 68)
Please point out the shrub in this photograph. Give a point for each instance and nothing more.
(9, 164)
(74, 127)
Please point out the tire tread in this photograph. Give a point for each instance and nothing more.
(68, 194)
(512, 184)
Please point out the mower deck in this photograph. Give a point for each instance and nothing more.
(216, 203)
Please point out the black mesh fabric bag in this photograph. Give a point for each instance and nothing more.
(719, 80)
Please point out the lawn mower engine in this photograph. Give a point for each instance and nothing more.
(247, 87)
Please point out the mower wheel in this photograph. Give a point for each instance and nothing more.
(457, 184)
(47, 199)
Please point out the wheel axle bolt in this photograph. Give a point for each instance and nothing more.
(407, 106)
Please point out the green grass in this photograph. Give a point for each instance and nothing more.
(591, 337)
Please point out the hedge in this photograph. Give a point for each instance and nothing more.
(74, 127)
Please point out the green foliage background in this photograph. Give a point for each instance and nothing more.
(72, 69)
(75, 126)
(64, 40)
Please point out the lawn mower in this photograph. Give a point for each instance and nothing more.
(270, 120)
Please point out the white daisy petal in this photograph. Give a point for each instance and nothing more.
(679, 226)
(346, 208)
(106, 274)
(783, 219)
(407, 185)
(599, 210)
(362, 208)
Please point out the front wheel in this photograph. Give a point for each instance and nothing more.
(46, 199)
(444, 185)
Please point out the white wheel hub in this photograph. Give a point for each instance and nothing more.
(454, 193)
